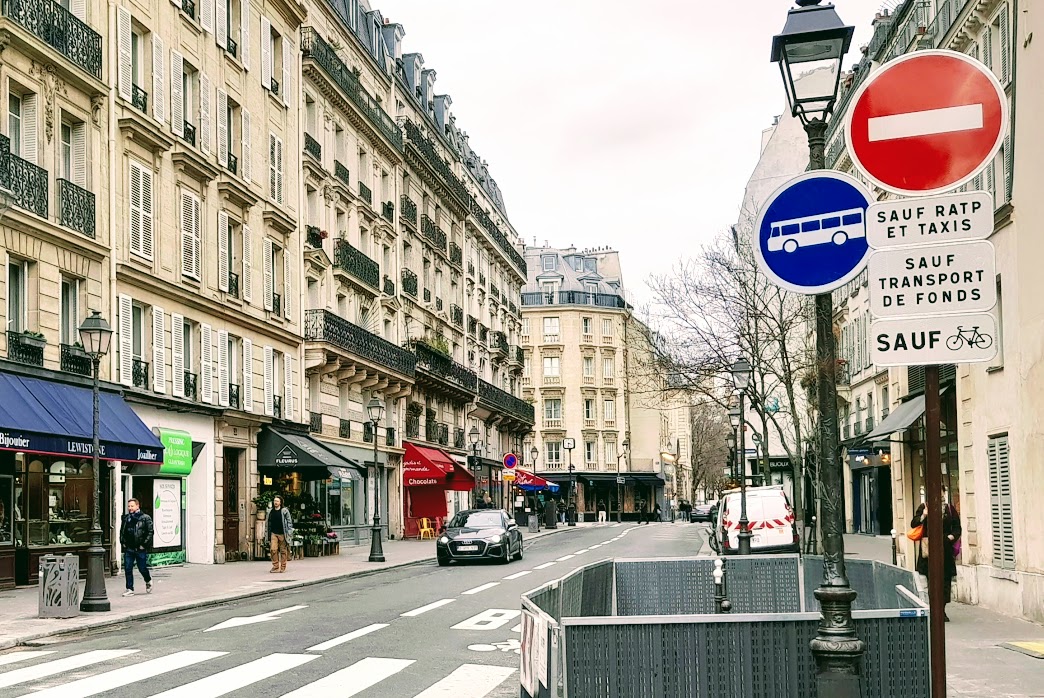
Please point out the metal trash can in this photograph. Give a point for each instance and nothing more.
(59, 586)
(534, 522)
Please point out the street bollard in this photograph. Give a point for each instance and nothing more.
(721, 603)
(810, 547)
(895, 555)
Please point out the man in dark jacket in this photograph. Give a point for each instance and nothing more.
(136, 539)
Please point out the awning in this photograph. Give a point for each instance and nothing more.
(532, 483)
(424, 466)
(898, 419)
(280, 450)
(39, 416)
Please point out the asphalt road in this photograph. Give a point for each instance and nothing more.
(417, 632)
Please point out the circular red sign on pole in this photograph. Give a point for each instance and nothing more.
(926, 122)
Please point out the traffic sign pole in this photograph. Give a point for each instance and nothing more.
(936, 540)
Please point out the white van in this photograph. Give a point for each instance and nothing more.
(771, 518)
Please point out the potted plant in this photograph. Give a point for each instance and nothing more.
(77, 350)
(262, 502)
(33, 339)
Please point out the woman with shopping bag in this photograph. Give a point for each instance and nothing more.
(951, 545)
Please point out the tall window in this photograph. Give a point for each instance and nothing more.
(610, 453)
(551, 328)
(607, 327)
(552, 365)
(590, 452)
(608, 367)
(554, 452)
(525, 326)
(14, 122)
(589, 366)
(553, 409)
(589, 409)
(186, 344)
(609, 410)
(138, 332)
(17, 307)
(70, 310)
(585, 325)
(66, 151)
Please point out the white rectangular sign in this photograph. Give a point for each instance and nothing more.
(946, 339)
(932, 219)
(933, 279)
(166, 513)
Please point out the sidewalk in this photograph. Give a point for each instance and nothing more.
(182, 587)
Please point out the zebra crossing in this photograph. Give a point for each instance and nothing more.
(174, 675)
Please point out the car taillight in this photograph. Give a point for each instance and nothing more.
(797, 539)
(725, 539)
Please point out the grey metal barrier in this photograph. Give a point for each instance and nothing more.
(59, 586)
(873, 581)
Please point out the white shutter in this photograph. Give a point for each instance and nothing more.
(177, 354)
(288, 291)
(1002, 515)
(188, 243)
(123, 31)
(247, 155)
(248, 262)
(204, 114)
(269, 272)
(177, 3)
(206, 360)
(79, 9)
(288, 64)
(221, 26)
(246, 392)
(137, 173)
(159, 353)
(244, 33)
(79, 154)
(159, 76)
(279, 171)
(222, 127)
(177, 93)
(222, 233)
(288, 386)
(29, 128)
(147, 222)
(206, 14)
(987, 47)
(223, 379)
(266, 53)
(197, 236)
(272, 165)
(126, 321)
(1005, 45)
(269, 382)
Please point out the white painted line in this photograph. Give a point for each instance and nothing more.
(322, 646)
(482, 587)
(615, 525)
(238, 677)
(516, 575)
(22, 656)
(517, 628)
(924, 123)
(469, 681)
(425, 609)
(354, 679)
(490, 619)
(564, 558)
(544, 566)
(125, 676)
(59, 666)
(581, 552)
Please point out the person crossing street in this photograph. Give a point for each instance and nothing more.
(279, 529)
(136, 534)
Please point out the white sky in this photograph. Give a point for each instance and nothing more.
(633, 125)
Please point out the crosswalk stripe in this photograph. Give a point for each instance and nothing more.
(354, 679)
(544, 566)
(22, 656)
(347, 637)
(238, 677)
(516, 575)
(483, 587)
(468, 681)
(425, 609)
(127, 675)
(59, 666)
(615, 525)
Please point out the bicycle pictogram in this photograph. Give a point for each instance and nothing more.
(511, 645)
(972, 337)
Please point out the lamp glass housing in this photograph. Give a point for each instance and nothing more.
(734, 417)
(95, 334)
(741, 374)
(375, 410)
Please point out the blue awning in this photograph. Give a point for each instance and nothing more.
(38, 416)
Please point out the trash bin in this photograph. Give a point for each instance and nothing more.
(550, 516)
(59, 586)
(534, 522)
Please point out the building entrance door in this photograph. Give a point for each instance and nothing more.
(231, 502)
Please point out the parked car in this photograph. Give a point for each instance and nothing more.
(770, 516)
(701, 512)
(477, 534)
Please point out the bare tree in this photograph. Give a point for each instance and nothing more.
(708, 433)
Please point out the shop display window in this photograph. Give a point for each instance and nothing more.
(7, 510)
(52, 501)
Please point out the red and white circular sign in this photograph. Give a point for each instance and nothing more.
(926, 122)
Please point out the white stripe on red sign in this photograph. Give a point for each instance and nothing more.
(924, 123)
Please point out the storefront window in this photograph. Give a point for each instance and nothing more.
(56, 496)
(7, 513)
(336, 499)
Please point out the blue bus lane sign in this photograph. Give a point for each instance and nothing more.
(810, 235)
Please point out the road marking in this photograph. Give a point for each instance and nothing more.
(249, 620)
(616, 525)
(581, 552)
(354, 679)
(929, 122)
(425, 609)
(517, 628)
(490, 619)
(238, 677)
(60, 666)
(469, 681)
(322, 646)
(128, 675)
(564, 558)
(481, 587)
(516, 575)
(544, 566)
(596, 546)
(22, 656)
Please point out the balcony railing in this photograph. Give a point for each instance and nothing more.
(324, 326)
(25, 349)
(313, 237)
(431, 156)
(312, 147)
(140, 373)
(483, 333)
(552, 380)
(233, 164)
(344, 428)
(189, 385)
(408, 209)
(341, 173)
(517, 355)
(28, 185)
(552, 423)
(409, 282)
(586, 338)
(472, 324)
(869, 424)
(456, 254)
(76, 208)
(189, 133)
(457, 315)
(412, 426)
(482, 279)
(438, 304)
(389, 436)
(368, 432)
(61, 30)
(233, 284)
(313, 46)
(388, 210)
(277, 304)
(498, 237)
(431, 430)
(357, 264)
(500, 343)
(315, 422)
(494, 292)
(506, 402)
(427, 295)
(274, 87)
(588, 380)
(551, 339)
(277, 400)
(189, 8)
(233, 396)
(445, 368)
(435, 235)
(365, 194)
(442, 434)
(232, 46)
(75, 360)
(471, 268)
(604, 300)
(846, 433)
(458, 437)
(389, 286)
(139, 99)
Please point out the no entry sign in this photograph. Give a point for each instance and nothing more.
(926, 122)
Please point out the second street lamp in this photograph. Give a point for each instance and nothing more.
(619, 481)
(736, 419)
(375, 411)
(569, 445)
(473, 436)
(741, 379)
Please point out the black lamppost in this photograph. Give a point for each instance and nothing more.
(569, 445)
(741, 379)
(375, 410)
(473, 436)
(619, 481)
(736, 419)
(731, 443)
(95, 335)
(815, 37)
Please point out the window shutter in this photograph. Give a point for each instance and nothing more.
(123, 31)
(269, 382)
(288, 291)
(248, 262)
(1002, 519)
(136, 239)
(1008, 169)
(247, 152)
(79, 9)
(206, 15)
(221, 28)
(987, 47)
(188, 244)
(222, 127)
(177, 355)
(244, 33)
(223, 368)
(29, 128)
(177, 94)
(197, 223)
(266, 53)
(279, 172)
(158, 79)
(991, 180)
(272, 165)
(222, 233)
(288, 386)
(1005, 48)
(126, 340)
(247, 393)
(288, 64)
(204, 114)
(269, 272)
(206, 360)
(147, 224)
(159, 353)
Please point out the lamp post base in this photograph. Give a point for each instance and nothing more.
(376, 546)
(744, 538)
(95, 599)
(837, 650)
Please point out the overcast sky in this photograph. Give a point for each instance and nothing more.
(633, 125)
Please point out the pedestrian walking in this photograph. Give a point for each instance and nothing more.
(561, 511)
(951, 537)
(279, 529)
(640, 506)
(658, 513)
(601, 512)
(136, 533)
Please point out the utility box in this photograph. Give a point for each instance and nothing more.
(59, 586)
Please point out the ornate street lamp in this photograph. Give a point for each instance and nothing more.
(815, 37)
(375, 410)
(619, 481)
(736, 419)
(473, 436)
(95, 335)
(569, 445)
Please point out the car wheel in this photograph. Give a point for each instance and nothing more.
(507, 555)
(443, 561)
(518, 555)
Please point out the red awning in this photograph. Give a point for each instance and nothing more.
(529, 481)
(425, 467)
(460, 480)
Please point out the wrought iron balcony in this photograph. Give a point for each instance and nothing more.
(25, 349)
(28, 185)
(409, 282)
(471, 268)
(74, 360)
(513, 308)
(603, 300)
(341, 173)
(431, 156)
(189, 133)
(140, 373)
(442, 434)
(324, 326)
(139, 99)
(233, 396)
(427, 295)
(314, 47)
(412, 426)
(277, 400)
(516, 354)
(483, 333)
(438, 304)
(494, 292)
(498, 237)
(232, 46)
(233, 284)
(456, 254)
(389, 286)
(312, 147)
(408, 209)
(60, 29)
(388, 210)
(233, 164)
(368, 432)
(277, 304)
(189, 385)
(315, 422)
(444, 368)
(76, 208)
(440, 240)
(189, 8)
(869, 424)
(274, 87)
(431, 430)
(500, 343)
(313, 236)
(506, 402)
(482, 279)
(457, 315)
(357, 264)
(472, 324)
(435, 235)
(344, 429)
(365, 194)
(458, 437)
(389, 436)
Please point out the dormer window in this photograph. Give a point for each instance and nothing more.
(578, 263)
(591, 264)
(549, 262)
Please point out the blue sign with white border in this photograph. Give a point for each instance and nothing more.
(810, 235)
